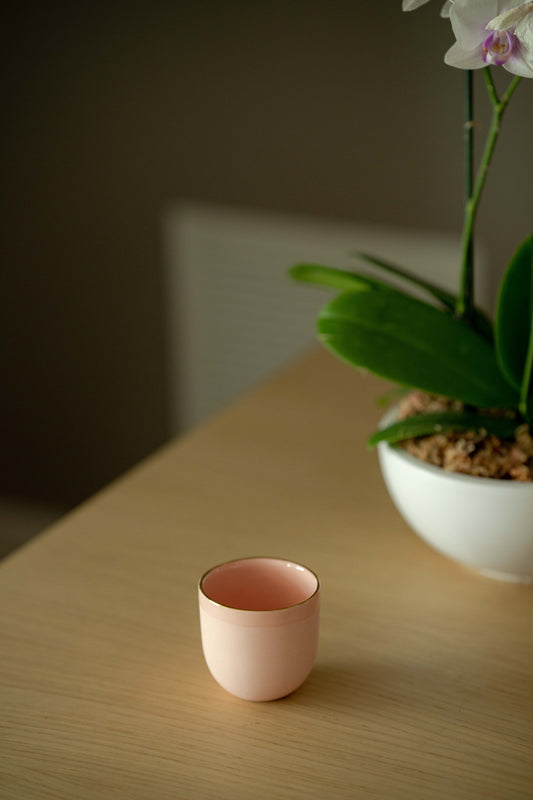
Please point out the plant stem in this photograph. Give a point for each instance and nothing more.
(469, 133)
(468, 251)
(465, 300)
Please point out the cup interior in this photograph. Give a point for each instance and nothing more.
(259, 584)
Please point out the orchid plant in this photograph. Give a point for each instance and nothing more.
(448, 346)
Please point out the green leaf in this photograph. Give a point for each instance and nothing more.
(482, 324)
(514, 314)
(414, 344)
(345, 280)
(526, 391)
(480, 320)
(445, 297)
(427, 424)
(335, 278)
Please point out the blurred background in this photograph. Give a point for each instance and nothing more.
(114, 114)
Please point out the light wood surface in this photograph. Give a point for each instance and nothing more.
(423, 682)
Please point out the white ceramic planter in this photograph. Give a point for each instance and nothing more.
(481, 523)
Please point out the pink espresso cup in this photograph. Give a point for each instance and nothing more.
(259, 623)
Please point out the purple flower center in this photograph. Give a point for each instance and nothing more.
(497, 47)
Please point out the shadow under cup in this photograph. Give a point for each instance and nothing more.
(259, 623)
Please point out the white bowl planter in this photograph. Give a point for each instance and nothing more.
(480, 522)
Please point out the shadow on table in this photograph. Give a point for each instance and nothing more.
(363, 685)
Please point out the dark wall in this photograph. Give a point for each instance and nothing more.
(339, 109)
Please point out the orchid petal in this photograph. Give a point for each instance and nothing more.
(510, 17)
(520, 64)
(468, 19)
(410, 5)
(457, 56)
(524, 30)
(508, 5)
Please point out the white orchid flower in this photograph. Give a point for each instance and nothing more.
(511, 17)
(410, 5)
(498, 32)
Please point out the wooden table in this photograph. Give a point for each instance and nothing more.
(423, 683)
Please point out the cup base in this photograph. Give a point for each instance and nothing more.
(256, 696)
